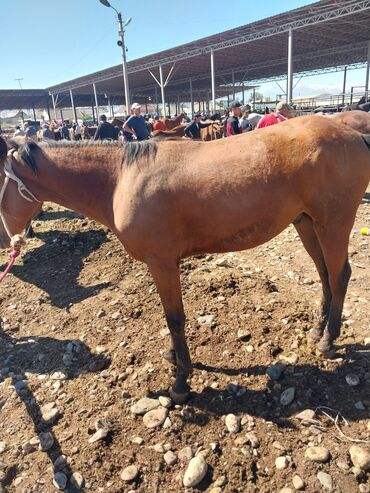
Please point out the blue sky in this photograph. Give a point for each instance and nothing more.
(47, 42)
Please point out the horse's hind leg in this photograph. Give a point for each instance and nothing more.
(304, 226)
(167, 279)
(334, 240)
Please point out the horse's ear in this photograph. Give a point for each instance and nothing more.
(3, 150)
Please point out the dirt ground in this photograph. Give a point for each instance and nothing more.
(83, 330)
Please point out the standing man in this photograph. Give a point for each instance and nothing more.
(192, 131)
(232, 123)
(244, 123)
(282, 113)
(105, 130)
(30, 131)
(136, 125)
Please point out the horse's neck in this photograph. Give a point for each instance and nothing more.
(82, 179)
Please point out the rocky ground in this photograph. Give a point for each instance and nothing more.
(80, 348)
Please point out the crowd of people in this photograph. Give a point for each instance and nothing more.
(236, 120)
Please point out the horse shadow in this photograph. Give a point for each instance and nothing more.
(52, 215)
(62, 257)
(319, 387)
(43, 356)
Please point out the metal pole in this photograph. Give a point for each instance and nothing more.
(367, 87)
(96, 102)
(344, 84)
(191, 99)
(243, 93)
(73, 105)
(290, 67)
(93, 113)
(254, 98)
(34, 112)
(156, 100)
(54, 106)
(162, 91)
(213, 82)
(121, 34)
(48, 110)
(233, 81)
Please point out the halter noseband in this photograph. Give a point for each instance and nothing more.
(9, 175)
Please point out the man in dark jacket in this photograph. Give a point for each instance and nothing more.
(192, 131)
(232, 123)
(105, 130)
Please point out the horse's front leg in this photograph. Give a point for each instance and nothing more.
(166, 276)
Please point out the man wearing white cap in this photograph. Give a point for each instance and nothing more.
(282, 113)
(136, 125)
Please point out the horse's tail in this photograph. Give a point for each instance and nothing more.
(367, 140)
(3, 150)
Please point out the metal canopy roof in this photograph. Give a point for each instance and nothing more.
(327, 36)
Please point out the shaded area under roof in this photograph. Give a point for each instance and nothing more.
(328, 35)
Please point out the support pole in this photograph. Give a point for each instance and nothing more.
(191, 99)
(254, 98)
(367, 86)
(290, 67)
(162, 91)
(233, 81)
(96, 102)
(48, 111)
(34, 112)
(213, 82)
(156, 100)
(121, 34)
(54, 106)
(73, 105)
(344, 84)
(243, 95)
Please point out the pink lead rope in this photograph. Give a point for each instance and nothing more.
(17, 242)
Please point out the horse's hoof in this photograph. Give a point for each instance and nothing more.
(325, 350)
(314, 336)
(179, 398)
(169, 356)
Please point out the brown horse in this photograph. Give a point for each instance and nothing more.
(178, 131)
(171, 123)
(358, 120)
(167, 200)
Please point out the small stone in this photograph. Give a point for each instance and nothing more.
(76, 480)
(367, 341)
(46, 441)
(165, 401)
(287, 397)
(129, 473)
(145, 405)
(317, 454)
(352, 379)
(170, 458)
(232, 423)
(137, 440)
(220, 481)
(360, 457)
(360, 406)
(343, 465)
(185, 455)
(206, 319)
(307, 415)
(158, 447)
(60, 462)
(298, 482)
(274, 372)
(291, 359)
(326, 480)
(155, 418)
(49, 414)
(364, 488)
(60, 480)
(281, 462)
(286, 490)
(195, 472)
(99, 435)
(223, 262)
(27, 448)
(58, 375)
(253, 439)
(2, 446)
(244, 335)
(216, 489)
(167, 424)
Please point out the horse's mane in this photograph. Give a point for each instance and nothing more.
(25, 149)
(132, 151)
